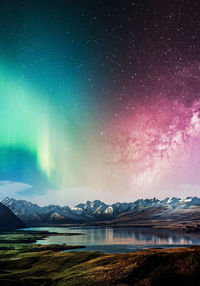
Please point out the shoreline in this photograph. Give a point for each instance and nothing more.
(39, 265)
(17, 239)
(185, 227)
(22, 262)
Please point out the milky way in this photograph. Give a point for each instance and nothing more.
(100, 99)
(156, 145)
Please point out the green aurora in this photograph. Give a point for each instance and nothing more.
(59, 145)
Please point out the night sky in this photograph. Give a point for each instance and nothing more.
(99, 100)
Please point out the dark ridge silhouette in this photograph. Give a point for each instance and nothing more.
(8, 220)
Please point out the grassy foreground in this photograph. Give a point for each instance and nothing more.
(24, 263)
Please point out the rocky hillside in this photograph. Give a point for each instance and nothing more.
(8, 220)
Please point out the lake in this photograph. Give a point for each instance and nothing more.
(118, 239)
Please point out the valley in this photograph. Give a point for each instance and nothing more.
(152, 242)
(22, 263)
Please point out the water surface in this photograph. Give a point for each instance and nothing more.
(118, 239)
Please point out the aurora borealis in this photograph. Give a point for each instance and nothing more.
(99, 99)
(36, 133)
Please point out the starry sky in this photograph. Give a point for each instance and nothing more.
(99, 100)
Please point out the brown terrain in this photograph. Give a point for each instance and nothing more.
(156, 218)
(180, 266)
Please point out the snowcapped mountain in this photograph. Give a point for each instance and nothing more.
(33, 214)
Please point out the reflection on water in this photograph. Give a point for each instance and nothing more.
(117, 239)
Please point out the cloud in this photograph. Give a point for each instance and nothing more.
(75, 195)
(72, 196)
(12, 189)
(182, 191)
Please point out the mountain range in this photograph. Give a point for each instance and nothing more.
(142, 211)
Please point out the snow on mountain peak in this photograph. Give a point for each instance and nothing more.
(96, 209)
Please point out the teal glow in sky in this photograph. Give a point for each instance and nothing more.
(49, 122)
(52, 135)
(83, 85)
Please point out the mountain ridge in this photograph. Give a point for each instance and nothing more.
(96, 211)
(8, 220)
